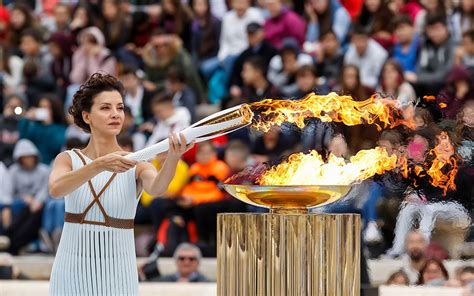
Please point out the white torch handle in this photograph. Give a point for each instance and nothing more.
(196, 133)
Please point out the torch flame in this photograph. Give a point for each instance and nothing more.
(328, 108)
(311, 169)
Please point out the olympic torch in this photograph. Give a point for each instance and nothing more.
(215, 125)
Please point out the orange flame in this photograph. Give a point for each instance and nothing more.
(328, 108)
(444, 160)
(442, 105)
(429, 98)
(442, 169)
(311, 169)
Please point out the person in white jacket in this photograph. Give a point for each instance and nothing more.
(367, 55)
(170, 119)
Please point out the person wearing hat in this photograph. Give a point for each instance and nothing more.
(283, 67)
(258, 46)
(29, 191)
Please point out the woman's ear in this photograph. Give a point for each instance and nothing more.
(85, 117)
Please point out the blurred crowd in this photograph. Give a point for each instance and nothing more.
(180, 60)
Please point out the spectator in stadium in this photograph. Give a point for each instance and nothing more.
(237, 156)
(131, 131)
(115, 25)
(457, 91)
(375, 18)
(435, 58)
(206, 30)
(91, 56)
(11, 71)
(46, 121)
(21, 19)
(465, 131)
(393, 84)
(82, 17)
(466, 276)
(9, 133)
(423, 119)
(256, 86)
(283, 67)
(270, 146)
(31, 46)
(326, 16)
(462, 19)
(233, 39)
(283, 23)
(350, 83)
(5, 202)
(60, 48)
(169, 119)
(367, 55)
(407, 42)
(437, 7)
(176, 18)
(137, 97)
(164, 51)
(187, 257)
(307, 82)
(204, 193)
(405, 7)
(62, 18)
(258, 46)
(415, 257)
(329, 58)
(183, 95)
(29, 191)
(398, 278)
(4, 23)
(433, 274)
(464, 54)
(154, 209)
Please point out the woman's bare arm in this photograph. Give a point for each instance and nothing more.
(63, 180)
(156, 183)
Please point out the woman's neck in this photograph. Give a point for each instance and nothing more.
(100, 145)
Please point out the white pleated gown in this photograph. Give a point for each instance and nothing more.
(96, 259)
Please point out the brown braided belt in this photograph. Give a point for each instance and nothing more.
(109, 221)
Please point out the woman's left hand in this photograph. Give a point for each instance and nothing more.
(178, 147)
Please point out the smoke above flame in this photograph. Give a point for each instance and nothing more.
(328, 108)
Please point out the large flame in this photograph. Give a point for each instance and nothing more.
(311, 169)
(328, 108)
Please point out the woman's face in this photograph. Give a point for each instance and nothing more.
(18, 18)
(168, 7)
(81, 14)
(467, 5)
(320, 5)
(200, 7)
(110, 10)
(390, 76)
(162, 44)
(106, 115)
(350, 78)
(432, 272)
(372, 5)
(46, 104)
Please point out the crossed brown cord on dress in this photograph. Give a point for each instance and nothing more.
(108, 221)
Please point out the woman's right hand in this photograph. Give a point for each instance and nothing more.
(115, 162)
